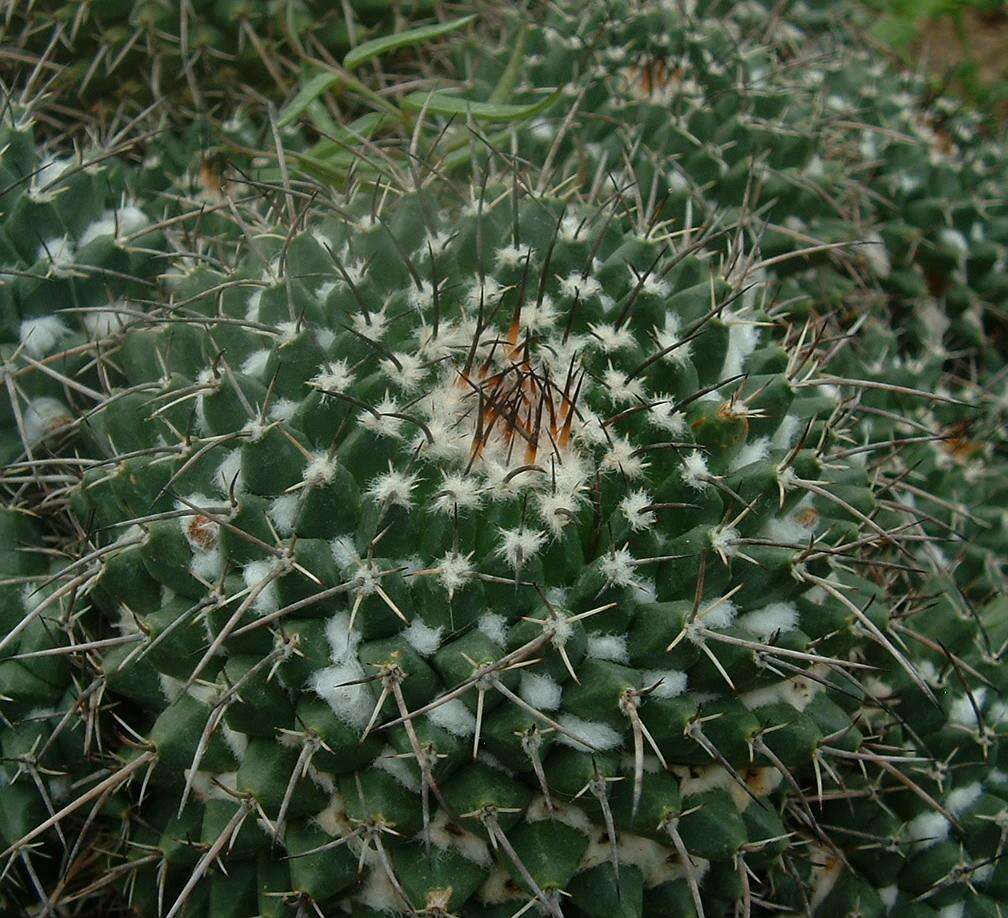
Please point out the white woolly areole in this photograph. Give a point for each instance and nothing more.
(608, 647)
(390, 762)
(345, 553)
(334, 376)
(42, 417)
(101, 323)
(457, 491)
(599, 735)
(772, 619)
(442, 834)
(723, 541)
(927, 829)
(58, 254)
(422, 638)
(228, 474)
(255, 363)
(517, 546)
(454, 717)
(283, 513)
(620, 389)
(39, 337)
(540, 691)
(633, 508)
(352, 704)
(320, 469)
(962, 712)
(618, 567)
(720, 613)
(393, 487)
(493, 626)
(961, 799)
(694, 470)
(454, 571)
(751, 452)
(254, 573)
(342, 640)
(408, 374)
(668, 683)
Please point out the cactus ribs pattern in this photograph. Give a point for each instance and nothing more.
(588, 528)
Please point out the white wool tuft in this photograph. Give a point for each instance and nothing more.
(255, 363)
(254, 573)
(720, 613)
(334, 376)
(393, 487)
(670, 682)
(454, 717)
(785, 435)
(58, 255)
(457, 491)
(229, 474)
(422, 638)
(620, 457)
(608, 647)
(771, 619)
(633, 507)
(342, 641)
(540, 691)
(320, 469)
(694, 469)
(40, 336)
(723, 541)
(237, 742)
(962, 798)
(786, 529)
(598, 735)
(43, 417)
(444, 835)
(345, 553)
(494, 626)
(352, 704)
(582, 287)
(618, 567)
(282, 409)
(390, 762)
(927, 829)
(283, 512)
(961, 710)
(620, 389)
(751, 452)
(664, 418)
(409, 373)
(454, 571)
(101, 323)
(519, 545)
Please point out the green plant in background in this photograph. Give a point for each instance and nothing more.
(582, 501)
(902, 25)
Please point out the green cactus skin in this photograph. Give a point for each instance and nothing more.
(527, 544)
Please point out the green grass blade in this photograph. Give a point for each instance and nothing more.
(314, 88)
(376, 47)
(441, 102)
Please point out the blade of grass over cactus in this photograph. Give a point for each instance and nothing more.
(385, 44)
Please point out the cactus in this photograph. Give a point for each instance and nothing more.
(107, 58)
(565, 539)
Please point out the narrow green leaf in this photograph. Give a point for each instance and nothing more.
(506, 83)
(311, 90)
(386, 43)
(442, 102)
